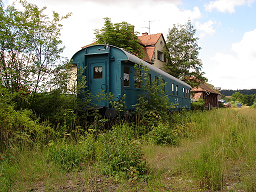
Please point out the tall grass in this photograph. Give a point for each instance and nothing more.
(27, 169)
(217, 151)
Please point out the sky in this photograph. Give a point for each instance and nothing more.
(226, 30)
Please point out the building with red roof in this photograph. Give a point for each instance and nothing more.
(153, 45)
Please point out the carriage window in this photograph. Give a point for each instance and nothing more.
(156, 80)
(137, 78)
(172, 89)
(183, 89)
(177, 90)
(149, 79)
(164, 85)
(97, 72)
(126, 77)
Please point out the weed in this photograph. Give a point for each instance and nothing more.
(164, 135)
(71, 156)
(8, 175)
(120, 155)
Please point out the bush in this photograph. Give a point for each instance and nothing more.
(54, 107)
(18, 128)
(199, 105)
(120, 154)
(71, 156)
(153, 103)
(164, 135)
(253, 106)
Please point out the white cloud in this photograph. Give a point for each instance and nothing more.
(236, 71)
(205, 28)
(226, 5)
(88, 15)
(246, 49)
(249, 2)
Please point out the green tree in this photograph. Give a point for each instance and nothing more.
(12, 66)
(248, 99)
(237, 96)
(182, 52)
(121, 35)
(30, 46)
(42, 36)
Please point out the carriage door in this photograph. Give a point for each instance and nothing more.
(97, 81)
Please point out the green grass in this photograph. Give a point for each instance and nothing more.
(29, 169)
(216, 152)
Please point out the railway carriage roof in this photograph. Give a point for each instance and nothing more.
(137, 60)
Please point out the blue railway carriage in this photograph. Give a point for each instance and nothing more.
(111, 69)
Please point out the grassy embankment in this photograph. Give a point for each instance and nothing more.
(216, 151)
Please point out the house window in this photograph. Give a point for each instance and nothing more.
(126, 77)
(177, 90)
(160, 56)
(97, 72)
(172, 89)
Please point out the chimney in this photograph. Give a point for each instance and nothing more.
(146, 33)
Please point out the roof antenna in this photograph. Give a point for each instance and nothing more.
(149, 26)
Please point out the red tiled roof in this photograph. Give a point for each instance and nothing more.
(204, 87)
(146, 56)
(150, 52)
(152, 39)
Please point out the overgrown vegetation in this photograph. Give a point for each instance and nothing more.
(153, 104)
(214, 150)
(46, 145)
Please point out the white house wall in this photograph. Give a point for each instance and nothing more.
(159, 47)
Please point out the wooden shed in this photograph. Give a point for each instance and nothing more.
(205, 92)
